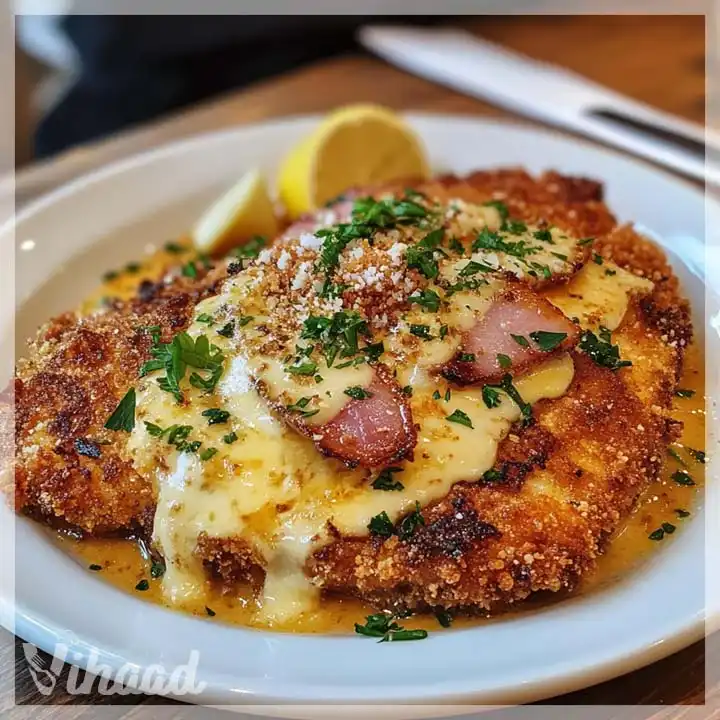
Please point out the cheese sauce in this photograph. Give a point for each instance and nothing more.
(258, 480)
(124, 565)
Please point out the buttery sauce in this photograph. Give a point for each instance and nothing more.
(124, 564)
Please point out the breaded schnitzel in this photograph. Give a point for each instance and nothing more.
(514, 464)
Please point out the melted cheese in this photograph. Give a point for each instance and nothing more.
(272, 488)
(598, 294)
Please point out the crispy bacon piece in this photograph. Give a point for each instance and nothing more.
(372, 432)
(515, 311)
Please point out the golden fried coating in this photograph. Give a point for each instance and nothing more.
(563, 485)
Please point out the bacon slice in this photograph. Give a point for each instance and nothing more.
(515, 311)
(372, 432)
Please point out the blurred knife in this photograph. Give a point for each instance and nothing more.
(548, 93)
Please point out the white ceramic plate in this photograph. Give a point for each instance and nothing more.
(66, 240)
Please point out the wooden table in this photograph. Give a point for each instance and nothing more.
(660, 60)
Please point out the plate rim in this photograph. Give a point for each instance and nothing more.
(689, 631)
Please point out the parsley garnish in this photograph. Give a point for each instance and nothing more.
(95, 568)
(299, 407)
(385, 480)
(185, 351)
(520, 340)
(501, 207)
(174, 248)
(697, 455)
(381, 525)
(338, 335)
(683, 393)
(410, 523)
(547, 341)
(658, 534)
(227, 330)
(473, 268)
(461, 418)
(506, 385)
(384, 627)
(307, 367)
(488, 240)
(682, 478)
(515, 227)
(407, 391)
(601, 350)
(597, 259)
(466, 357)
(421, 256)
(357, 393)
(251, 249)
(427, 299)
(681, 513)
(210, 611)
(142, 586)
(444, 618)
(157, 568)
(421, 331)
(205, 318)
(456, 246)
(504, 361)
(586, 241)
(544, 235)
(230, 438)
(207, 453)
(490, 396)
(216, 416)
(189, 269)
(123, 417)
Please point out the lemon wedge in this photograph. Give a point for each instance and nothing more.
(244, 211)
(356, 145)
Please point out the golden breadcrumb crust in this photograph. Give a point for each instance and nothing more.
(569, 479)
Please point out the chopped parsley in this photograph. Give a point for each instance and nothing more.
(456, 246)
(205, 318)
(407, 391)
(601, 350)
(386, 481)
(547, 341)
(383, 626)
(444, 618)
(684, 393)
(123, 417)
(586, 241)
(489, 240)
(95, 568)
(681, 513)
(142, 586)
(506, 385)
(436, 395)
(597, 259)
(669, 528)
(182, 352)
(299, 407)
(230, 438)
(443, 331)
(251, 249)
(697, 455)
(207, 453)
(515, 227)
(466, 357)
(676, 456)
(174, 248)
(189, 270)
(683, 478)
(428, 299)
(410, 523)
(504, 361)
(421, 331)
(544, 235)
(381, 525)
(490, 396)
(658, 534)
(306, 367)
(216, 416)
(520, 340)
(501, 207)
(227, 330)
(493, 475)
(473, 268)
(210, 612)
(110, 275)
(421, 256)
(338, 335)
(461, 418)
(357, 393)
(157, 568)
(133, 268)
